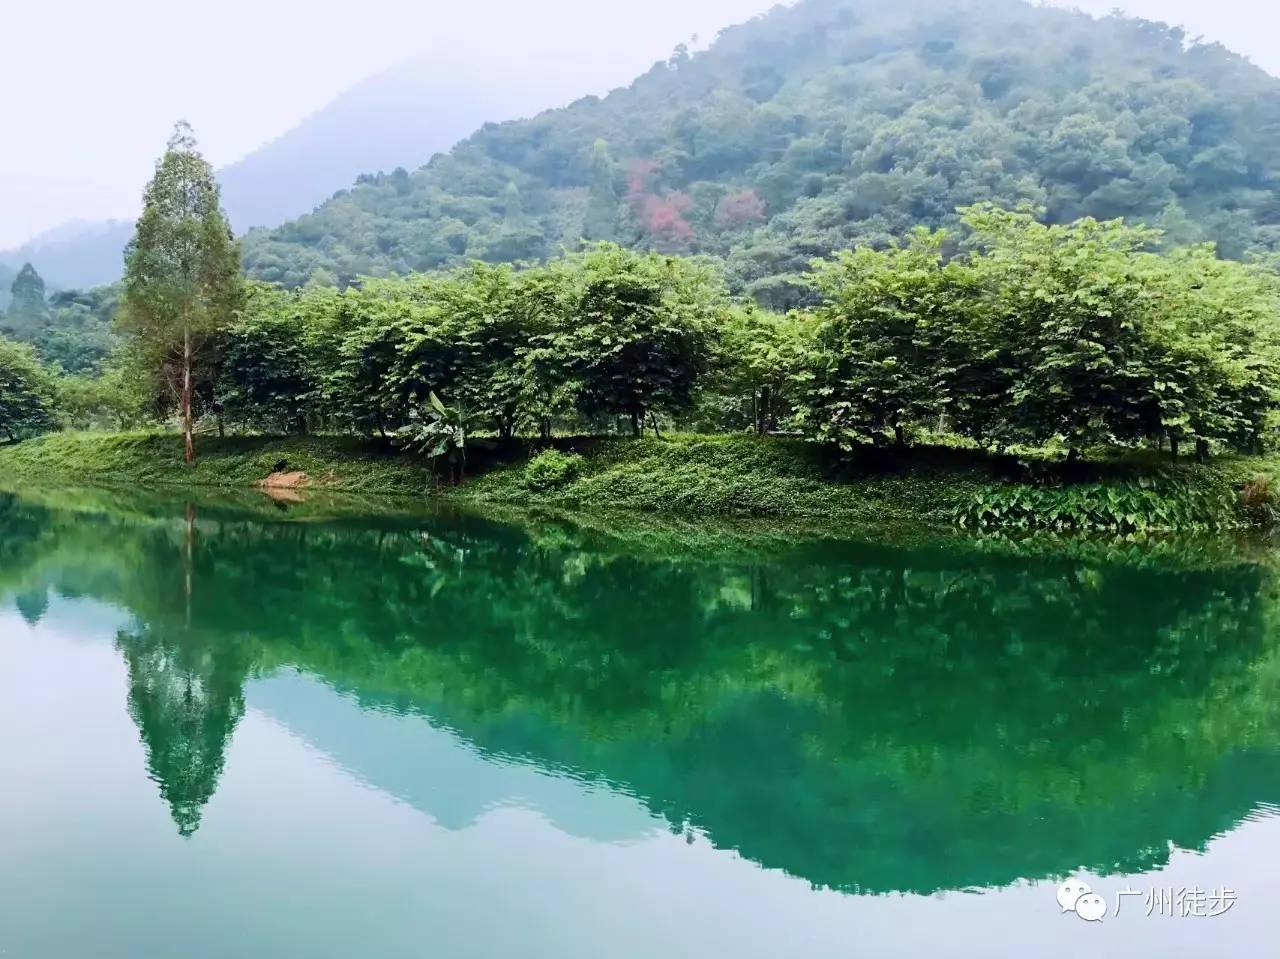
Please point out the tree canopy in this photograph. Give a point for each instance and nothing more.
(182, 271)
(27, 394)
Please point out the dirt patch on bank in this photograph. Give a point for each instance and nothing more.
(278, 481)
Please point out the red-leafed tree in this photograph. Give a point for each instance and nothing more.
(662, 217)
(639, 173)
(738, 210)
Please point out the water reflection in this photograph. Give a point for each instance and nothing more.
(186, 697)
(867, 718)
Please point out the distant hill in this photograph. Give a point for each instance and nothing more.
(400, 117)
(830, 123)
(6, 280)
(77, 254)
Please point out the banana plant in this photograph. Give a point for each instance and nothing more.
(439, 431)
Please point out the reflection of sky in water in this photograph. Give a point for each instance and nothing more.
(436, 771)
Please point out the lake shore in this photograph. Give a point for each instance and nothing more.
(691, 477)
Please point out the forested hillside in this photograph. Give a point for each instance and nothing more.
(829, 124)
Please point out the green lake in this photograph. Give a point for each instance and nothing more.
(255, 729)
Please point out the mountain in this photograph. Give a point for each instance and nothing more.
(400, 117)
(396, 118)
(77, 254)
(830, 123)
(7, 276)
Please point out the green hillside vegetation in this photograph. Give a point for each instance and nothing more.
(832, 124)
(70, 329)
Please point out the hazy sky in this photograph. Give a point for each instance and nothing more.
(93, 87)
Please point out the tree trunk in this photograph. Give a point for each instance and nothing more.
(188, 559)
(635, 424)
(1202, 450)
(222, 428)
(653, 418)
(762, 414)
(545, 429)
(1173, 448)
(899, 435)
(188, 427)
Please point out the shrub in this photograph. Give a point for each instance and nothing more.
(1258, 500)
(551, 469)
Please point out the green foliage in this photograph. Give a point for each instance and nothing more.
(606, 333)
(28, 400)
(552, 469)
(438, 431)
(80, 334)
(886, 319)
(149, 458)
(757, 369)
(829, 124)
(1067, 336)
(28, 313)
(1149, 505)
(600, 222)
(182, 280)
(267, 375)
(115, 399)
(638, 336)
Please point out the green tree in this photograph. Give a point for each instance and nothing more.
(1213, 350)
(266, 374)
(27, 392)
(601, 219)
(876, 365)
(28, 313)
(182, 274)
(80, 335)
(760, 355)
(1069, 304)
(436, 431)
(639, 333)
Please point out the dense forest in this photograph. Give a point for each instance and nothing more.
(831, 124)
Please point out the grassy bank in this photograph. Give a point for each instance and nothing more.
(698, 476)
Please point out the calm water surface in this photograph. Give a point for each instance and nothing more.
(256, 732)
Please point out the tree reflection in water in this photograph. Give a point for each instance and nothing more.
(868, 717)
